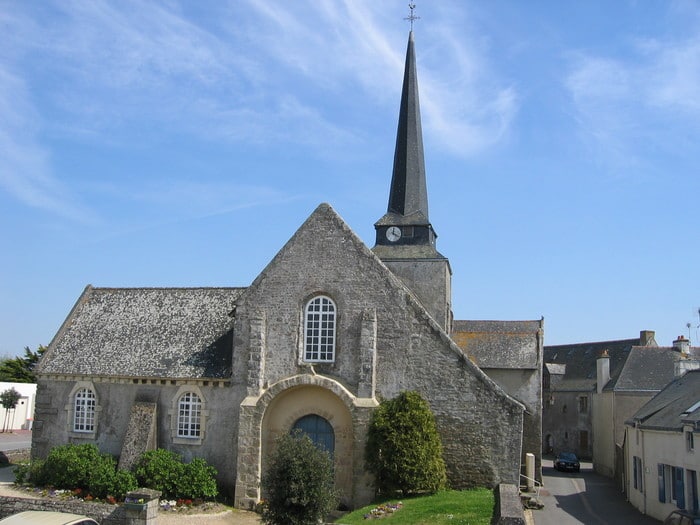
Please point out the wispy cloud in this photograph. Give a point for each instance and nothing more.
(621, 103)
(25, 170)
(464, 106)
(122, 73)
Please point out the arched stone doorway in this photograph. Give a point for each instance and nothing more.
(321, 414)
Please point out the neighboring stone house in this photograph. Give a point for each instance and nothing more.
(662, 449)
(591, 389)
(569, 381)
(326, 331)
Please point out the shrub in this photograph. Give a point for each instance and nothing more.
(79, 467)
(404, 450)
(298, 484)
(106, 480)
(69, 466)
(160, 470)
(198, 480)
(164, 471)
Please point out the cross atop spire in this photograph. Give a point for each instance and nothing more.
(411, 17)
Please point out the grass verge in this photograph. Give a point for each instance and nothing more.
(450, 507)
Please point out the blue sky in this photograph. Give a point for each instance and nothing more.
(182, 143)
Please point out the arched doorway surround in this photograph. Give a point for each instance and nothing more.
(301, 403)
(265, 417)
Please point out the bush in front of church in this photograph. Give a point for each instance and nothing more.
(80, 468)
(404, 450)
(165, 471)
(298, 485)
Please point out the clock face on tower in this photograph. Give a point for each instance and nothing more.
(393, 233)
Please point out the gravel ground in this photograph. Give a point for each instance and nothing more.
(216, 516)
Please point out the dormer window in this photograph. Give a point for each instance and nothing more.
(319, 330)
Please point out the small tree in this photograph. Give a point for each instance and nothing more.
(21, 369)
(404, 450)
(299, 483)
(8, 400)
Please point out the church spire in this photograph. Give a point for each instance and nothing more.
(406, 221)
(408, 194)
(405, 239)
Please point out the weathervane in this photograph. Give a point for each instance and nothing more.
(412, 16)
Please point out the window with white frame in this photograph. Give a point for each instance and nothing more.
(319, 330)
(689, 440)
(189, 416)
(84, 404)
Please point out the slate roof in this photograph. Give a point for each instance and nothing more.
(580, 360)
(647, 368)
(500, 344)
(677, 404)
(146, 333)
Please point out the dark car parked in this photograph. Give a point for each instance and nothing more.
(682, 517)
(567, 461)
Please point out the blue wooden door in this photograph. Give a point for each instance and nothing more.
(319, 430)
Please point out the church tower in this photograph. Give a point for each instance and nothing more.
(405, 239)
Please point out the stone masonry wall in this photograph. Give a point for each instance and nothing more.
(480, 425)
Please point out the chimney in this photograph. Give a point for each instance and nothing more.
(646, 338)
(682, 345)
(603, 370)
(684, 365)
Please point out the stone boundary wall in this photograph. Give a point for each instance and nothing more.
(509, 508)
(100, 512)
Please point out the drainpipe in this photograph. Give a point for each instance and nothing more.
(644, 476)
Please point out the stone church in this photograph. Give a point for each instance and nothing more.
(326, 331)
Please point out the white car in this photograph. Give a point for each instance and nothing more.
(41, 517)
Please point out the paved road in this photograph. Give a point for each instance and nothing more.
(585, 497)
(15, 440)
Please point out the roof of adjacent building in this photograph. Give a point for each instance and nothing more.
(678, 404)
(500, 344)
(579, 360)
(146, 332)
(647, 368)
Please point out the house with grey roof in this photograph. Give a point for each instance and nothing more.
(327, 330)
(646, 371)
(591, 389)
(569, 381)
(661, 449)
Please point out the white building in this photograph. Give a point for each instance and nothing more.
(662, 449)
(23, 414)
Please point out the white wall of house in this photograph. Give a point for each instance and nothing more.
(659, 456)
(23, 414)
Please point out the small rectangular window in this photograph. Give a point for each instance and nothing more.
(661, 469)
(689, 441)
(583, 404)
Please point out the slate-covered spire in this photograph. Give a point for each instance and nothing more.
(408, 194)
(405, 239)
(406, 222)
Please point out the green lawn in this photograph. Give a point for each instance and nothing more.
(451, 507)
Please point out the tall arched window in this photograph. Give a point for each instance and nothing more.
(84, 403)
(189, 416)
(319, 431)
(319, 330)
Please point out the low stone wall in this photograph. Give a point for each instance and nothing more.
(509, 508)
(100, 512)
